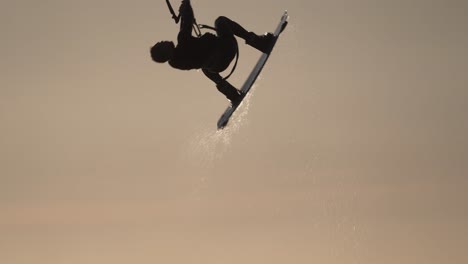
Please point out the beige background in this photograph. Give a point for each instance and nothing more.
(351, 149)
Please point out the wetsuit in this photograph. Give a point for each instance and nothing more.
(209, 52)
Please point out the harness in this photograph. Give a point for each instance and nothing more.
(197, 29)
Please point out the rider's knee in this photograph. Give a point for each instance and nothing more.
(222, 21)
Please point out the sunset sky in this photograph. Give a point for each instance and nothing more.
(351, 148)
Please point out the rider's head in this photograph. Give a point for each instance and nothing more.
(162, 51)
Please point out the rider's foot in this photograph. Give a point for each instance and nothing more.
(263, 43)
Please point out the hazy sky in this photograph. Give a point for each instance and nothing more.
(351, 149)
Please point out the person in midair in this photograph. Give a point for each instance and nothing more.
(212, 53)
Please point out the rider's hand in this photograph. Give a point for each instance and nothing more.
(184, 5)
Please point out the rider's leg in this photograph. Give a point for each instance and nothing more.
(223, 86)
(227, 27)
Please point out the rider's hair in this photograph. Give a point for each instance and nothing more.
(162, 51)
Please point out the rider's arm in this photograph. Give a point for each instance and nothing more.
(187, 20)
